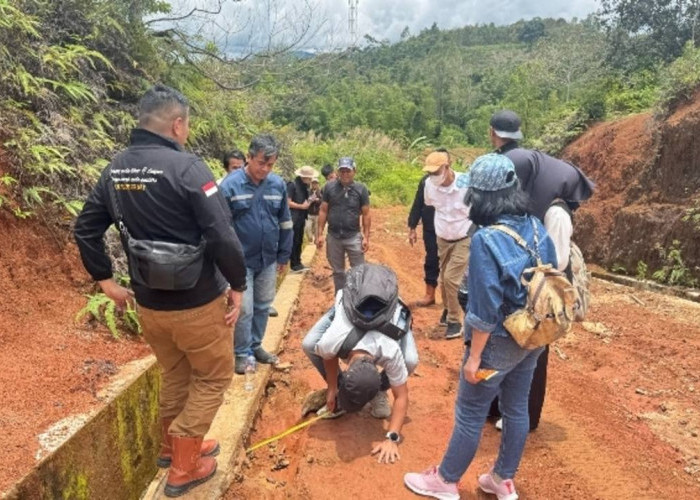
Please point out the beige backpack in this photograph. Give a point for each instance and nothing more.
(551, 301)
(580, 280)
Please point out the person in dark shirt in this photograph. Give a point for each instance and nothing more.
(425, 214)
(314, 209)
(544, 179)
(159, 193)
(344, 203)
(298, 198)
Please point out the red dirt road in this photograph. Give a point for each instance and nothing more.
(621, 417)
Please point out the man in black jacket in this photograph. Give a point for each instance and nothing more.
(160, 195)
(544, 179)
(425, 214)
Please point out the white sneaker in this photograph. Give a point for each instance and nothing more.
(379, 406)
(499, 424)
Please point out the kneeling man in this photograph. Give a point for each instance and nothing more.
(362, 382)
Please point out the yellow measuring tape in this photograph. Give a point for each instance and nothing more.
(289, 431)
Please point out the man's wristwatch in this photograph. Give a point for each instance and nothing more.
(393, 437)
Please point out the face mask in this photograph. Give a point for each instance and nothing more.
(437, 180)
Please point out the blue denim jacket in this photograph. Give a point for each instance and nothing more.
(263, 223)
(496, 262)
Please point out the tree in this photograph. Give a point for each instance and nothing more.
(642, 33)
(531, 31)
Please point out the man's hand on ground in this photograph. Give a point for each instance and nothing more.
(234, 307)
(387, 452)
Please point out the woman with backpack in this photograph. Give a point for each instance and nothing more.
(496, 264)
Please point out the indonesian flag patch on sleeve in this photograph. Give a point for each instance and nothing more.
(210, 188)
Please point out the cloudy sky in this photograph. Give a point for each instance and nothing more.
(248, 20)
(385, 19)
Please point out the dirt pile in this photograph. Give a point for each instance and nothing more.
(647, 173)
(52, 366)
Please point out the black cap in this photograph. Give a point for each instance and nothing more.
(358, 385)
(506, 124)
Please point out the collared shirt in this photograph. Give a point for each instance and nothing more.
(385, 351)
(496, 263)
(261, 217)
(345, 207)
(451, 214)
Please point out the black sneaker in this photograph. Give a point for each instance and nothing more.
(299, 269)
(240, 363)
(272, 312)
(454, 330)
(262, 356)
(443, 318)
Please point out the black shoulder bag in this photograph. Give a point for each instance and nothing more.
(159, 265)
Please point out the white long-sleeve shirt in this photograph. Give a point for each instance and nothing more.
(558, 224)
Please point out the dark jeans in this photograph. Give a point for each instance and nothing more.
(538, 389)
(431, 267)
(297, 242)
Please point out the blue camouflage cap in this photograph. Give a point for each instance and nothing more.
(346, 162)
(491, 172)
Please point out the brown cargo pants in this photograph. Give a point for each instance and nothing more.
(454, 257)
(194, 349)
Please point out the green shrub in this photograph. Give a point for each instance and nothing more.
(674, 271)
(680, 79)
(102, 309)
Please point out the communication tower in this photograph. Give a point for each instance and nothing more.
(352, 20)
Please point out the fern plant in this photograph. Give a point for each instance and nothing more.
(674, 270)
(104, 310)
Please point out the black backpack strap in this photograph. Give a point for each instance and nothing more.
(116, 208)
(350, 342)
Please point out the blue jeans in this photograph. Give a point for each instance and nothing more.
(252, 322)
(512, 385)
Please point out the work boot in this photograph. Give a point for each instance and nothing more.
(210, 447)
(262, 356)
(189, 468)
(429, 298)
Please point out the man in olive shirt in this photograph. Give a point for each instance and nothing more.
(344, 203)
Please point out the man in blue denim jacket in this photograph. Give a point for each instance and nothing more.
(258, 202)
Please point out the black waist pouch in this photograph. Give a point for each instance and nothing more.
(165, 266)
